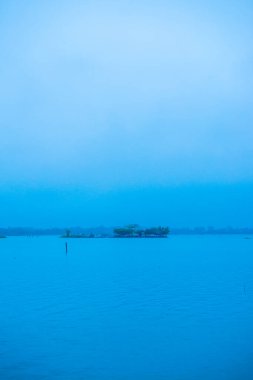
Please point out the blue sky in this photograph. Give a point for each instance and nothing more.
(111, 111)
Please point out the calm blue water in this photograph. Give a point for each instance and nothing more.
(177, 308)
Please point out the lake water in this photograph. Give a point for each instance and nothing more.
(120, 309)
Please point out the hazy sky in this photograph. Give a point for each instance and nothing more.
(126, 111)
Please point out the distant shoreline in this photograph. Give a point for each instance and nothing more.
(112, 237)
(103, 232)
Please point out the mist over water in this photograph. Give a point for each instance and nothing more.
(115, 113)
(103, 103)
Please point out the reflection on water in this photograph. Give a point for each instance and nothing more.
(177, 308)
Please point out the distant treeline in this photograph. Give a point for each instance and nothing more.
(129, 231)
(135, 231)
(55, 231)
(110, 231)
(212, 231)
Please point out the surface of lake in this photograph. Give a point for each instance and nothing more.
(119, 309)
